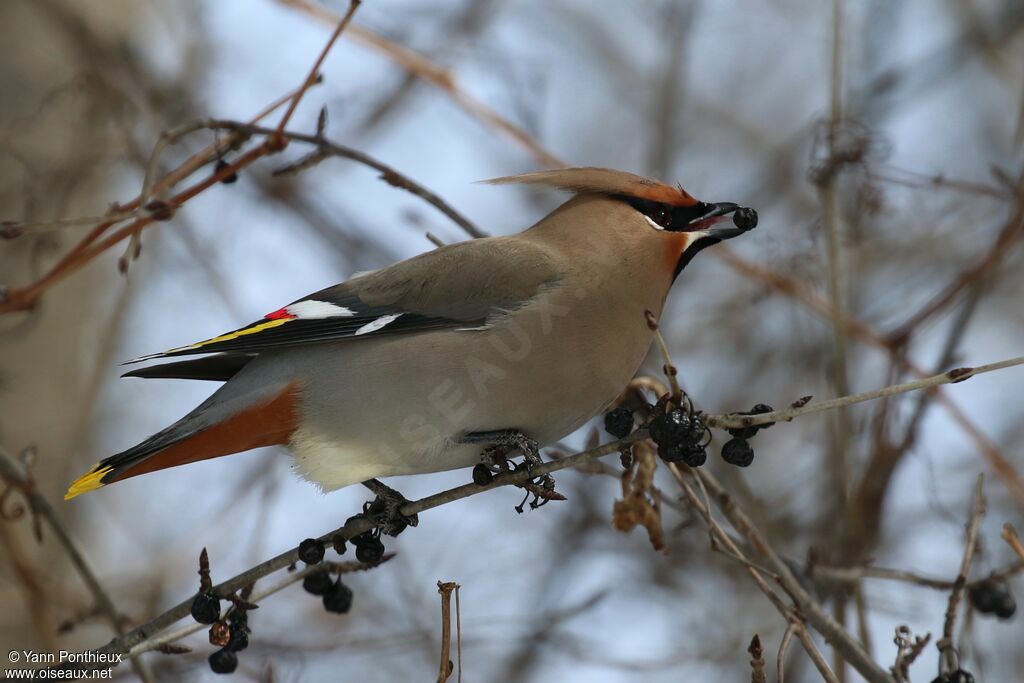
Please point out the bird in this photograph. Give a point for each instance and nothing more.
(431, 363)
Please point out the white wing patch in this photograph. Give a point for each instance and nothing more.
(310, 309)
(377, 324)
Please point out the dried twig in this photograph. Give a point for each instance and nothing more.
(16, 475)
(1009, 534)
(735, 420)
(446, 667)
(945, 645)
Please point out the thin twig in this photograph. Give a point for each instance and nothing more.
(16, 475)
(856, 574)
(945, 645)
(736, 420)
(812, 611)
(311, 77)
(1009, 534)
(726, 541)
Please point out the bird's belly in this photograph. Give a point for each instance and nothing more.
(399, 406)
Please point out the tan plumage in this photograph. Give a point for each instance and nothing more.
(602, 180)
(389, 372)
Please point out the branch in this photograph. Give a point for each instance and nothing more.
(734, 420)
(815, 615)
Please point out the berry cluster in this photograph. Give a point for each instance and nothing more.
(737, 450)
(958, 676)
(994, 597)
(681, 436)
(336, 596)
(225, 660)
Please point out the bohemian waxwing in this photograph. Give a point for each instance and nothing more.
(415, 367)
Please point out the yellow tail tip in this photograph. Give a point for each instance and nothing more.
(87, 482)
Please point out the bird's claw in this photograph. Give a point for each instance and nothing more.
(493, 461)
(386, 509)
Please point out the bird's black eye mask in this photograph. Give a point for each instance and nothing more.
(701, 217)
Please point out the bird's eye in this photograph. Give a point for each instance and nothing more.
(662, 217)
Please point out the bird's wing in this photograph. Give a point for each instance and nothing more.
(460, 286)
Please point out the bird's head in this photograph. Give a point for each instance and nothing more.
(688, 224)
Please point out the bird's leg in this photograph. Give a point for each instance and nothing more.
(503, 440)
(386, 509)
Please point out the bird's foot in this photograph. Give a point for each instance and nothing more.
(493, 461)
(386, 509)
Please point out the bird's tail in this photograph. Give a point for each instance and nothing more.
(220, 426)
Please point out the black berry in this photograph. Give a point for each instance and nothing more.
(311, 551)
(670, 429)
(317, 583)
(737, 451)
(482, 475)
(692, 454)
(239, 638)
(695, 455)
(205, 608)
(338, 543)
(941, 678)
(672, 453)
(993, 597)
(1007, 607)
(985, 596)
(961, 676)
(369, 549)
(744, 218)
(619, 422)
(338, 599)
(747, 432)
(221, 165)
(223, 661)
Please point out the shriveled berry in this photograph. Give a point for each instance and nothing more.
(744, 218)
(747, 432)
(672, 453)
(619, 422)
(317, 583)
(205, 608)
(239, 638)
(737, 451)
(941, 678)
(338, 599)
(670, 429)
(223, 661)
(482, 475)
(311, 551)
(961, 676)
(369, 550)
(695, 455)
(338, 543)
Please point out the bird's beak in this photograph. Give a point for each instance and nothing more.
(743, 219)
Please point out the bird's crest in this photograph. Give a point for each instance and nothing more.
(605, 181)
